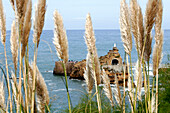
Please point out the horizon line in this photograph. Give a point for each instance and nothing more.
(81, 29)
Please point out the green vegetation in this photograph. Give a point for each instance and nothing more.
(164, 90)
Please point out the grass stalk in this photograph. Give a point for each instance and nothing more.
(20, 73)
(137, 87)
(132, 80)
(153, 85)
(90, 102)
(130, 92)
(157, 87)
(145, 87)
(8, 83)
(34, 77)
(142, 62)
(124, 93)
(66, 83)
(25, 89)
(149, 99)
(96, 87)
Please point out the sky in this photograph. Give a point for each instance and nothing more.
(104, 13)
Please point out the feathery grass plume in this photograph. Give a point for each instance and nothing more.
(60, 37)
(140, 28)
(89, 73)
(125, 27)
(14, 45)
(13, 4)
(3, 39)
(39, 19)
(158, 20)
(2, 95)
(157, 55)
(148, 47)
(90, 42)
(21, 7)
(26, 27)
(2, 24)
(41, 92)
(118, 91)
(150, 14)
(30, 86)
(107, 87)
(157, 52)
(137, 25)
(134, 16)
(153, 105)
(138, 79)
(41, 89)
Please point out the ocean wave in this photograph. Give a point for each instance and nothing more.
(48, 71)
(70, 89)
(48, 80)
(50, 84)
(75, 79)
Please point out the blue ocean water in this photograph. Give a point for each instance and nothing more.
(47, 56)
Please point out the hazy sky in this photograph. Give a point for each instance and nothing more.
(104, 13)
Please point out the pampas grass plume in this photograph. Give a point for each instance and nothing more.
(42, 92)
(2, 95)
(60, 37)
(26, 27)
(117, 93)
(90, 42)
(157, 53)
(39, 19)
(2, 24)
(14, 45)
(107, 87)
(158, 21)
(140, 29)
(150, 14)
(89, 74)
(41, 89)
(125, 27)
(137, 25)
(13, 5)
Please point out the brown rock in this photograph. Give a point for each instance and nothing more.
(58, 69)
(78, 70)
(111, 63)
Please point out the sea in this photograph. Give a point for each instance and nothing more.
(105, 40)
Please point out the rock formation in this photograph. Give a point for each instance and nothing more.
(78, 70)
(58, 69)
(111, 63)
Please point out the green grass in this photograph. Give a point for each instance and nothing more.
(164, 90)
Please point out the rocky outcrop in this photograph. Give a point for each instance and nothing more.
(78, 70)
(58, 69)
(111, 63)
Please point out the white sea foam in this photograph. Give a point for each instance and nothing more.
(48, 80)
(75, 79)
(49, 71)
(51, 84)
(70, 89)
